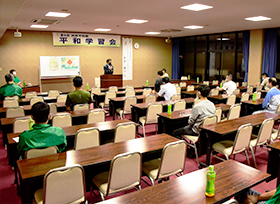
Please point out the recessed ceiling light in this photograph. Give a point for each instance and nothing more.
(196, 7)
(102, 29)
(58, 14)
(223, 38)
(152, 33)
(258, 18)
(138, 21)
(193, 27)
(39, 26)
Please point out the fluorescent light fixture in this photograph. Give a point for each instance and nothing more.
(258, 18)
(193, 27)
(102, 29)
(138, 21)
(39, 26)
(152, 33)
(223, 38)
(196, 7)
(58, 14)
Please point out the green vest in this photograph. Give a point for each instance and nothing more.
(16, 79)
(11, 90)
(78, 97)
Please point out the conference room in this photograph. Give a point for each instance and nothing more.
(120, 142)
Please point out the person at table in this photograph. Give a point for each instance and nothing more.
(16, 79)
(78, 96)
(164, 73)
(199, 112)
(10, 89)
(42, 135)
(167, 90)
(158, 82)
(272, 98)
(265, 79)
(108, 68)
(229, 86)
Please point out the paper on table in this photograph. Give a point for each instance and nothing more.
(16, 139)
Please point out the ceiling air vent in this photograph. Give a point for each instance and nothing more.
(39, 21)
(170, 30)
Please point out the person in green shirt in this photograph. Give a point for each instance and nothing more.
(43, 134)
(10, 89)
(78, 96)
(16, 79)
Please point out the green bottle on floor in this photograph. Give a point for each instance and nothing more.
(210, 183)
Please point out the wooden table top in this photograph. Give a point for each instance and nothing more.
(30, 168)
(123, 98)
(275, 145)
(164, 103)
(71, 130)
(232, 177)
(190, 92)
(119, 92)
(229, 126)
(256, 102)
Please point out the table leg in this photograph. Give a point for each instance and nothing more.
(112, 109)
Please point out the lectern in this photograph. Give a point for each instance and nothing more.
(108, 80)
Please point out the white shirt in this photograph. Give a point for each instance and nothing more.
(167, 90)
(229, 87)
(165, 75)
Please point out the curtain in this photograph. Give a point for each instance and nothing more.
(246, 43)
(175, 59)
(270, 52)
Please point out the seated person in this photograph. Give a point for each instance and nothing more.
(158, 82)
(272, 97)
(43, 134)
(229, 86)
(16, 79)
(78, 96)
(265, 79)
(199, 112)
(164, 73)
(10, 89)
(167, 90)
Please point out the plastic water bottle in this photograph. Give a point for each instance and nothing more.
(189, 77)
(221, 85)
(210, 183)
(254, 96)
(87, 87)
(31, 123)
(147, 82)
(197, 79)
(24, 84)
(169, 108)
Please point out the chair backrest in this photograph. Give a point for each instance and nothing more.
(108, 95)
(236, 91)
(62, 120)
(242, 138)
(178, 89)
(150, 98)
(129, 88)
(215, 82)
(152, 111)
(31, 94)
(278, 109)
(65, 185)
(183, 84)
(96, 116)
(244, 83)
(206, 82)
(265, 131)
(113, 88)
(95, 90)
(190, 88)
(61, 98)
(234, 111)
(20, 124)
(176, 85)
(250, 89)
(196, 101)
(218, 113)
(53, 93)
(179, 105)
(125, 172)
(237, 84)
(83, 106)
(259, 88)
(53, 108)
(12, 112)
(172, 159)
(34, 100)
(210, 120)
(128, 102)
(214, 92)
(125, 131)
(33, 153)
(258, 94)
(176, 97)
(86, 138)
(146, 91)
(12, 97)
(10, 103)
(231, 99)
(244, 97)
(130, 92)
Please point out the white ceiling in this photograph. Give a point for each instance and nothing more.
(86, 15)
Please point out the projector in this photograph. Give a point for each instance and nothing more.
(17, 34)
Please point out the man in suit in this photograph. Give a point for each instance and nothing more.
(108, 68)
